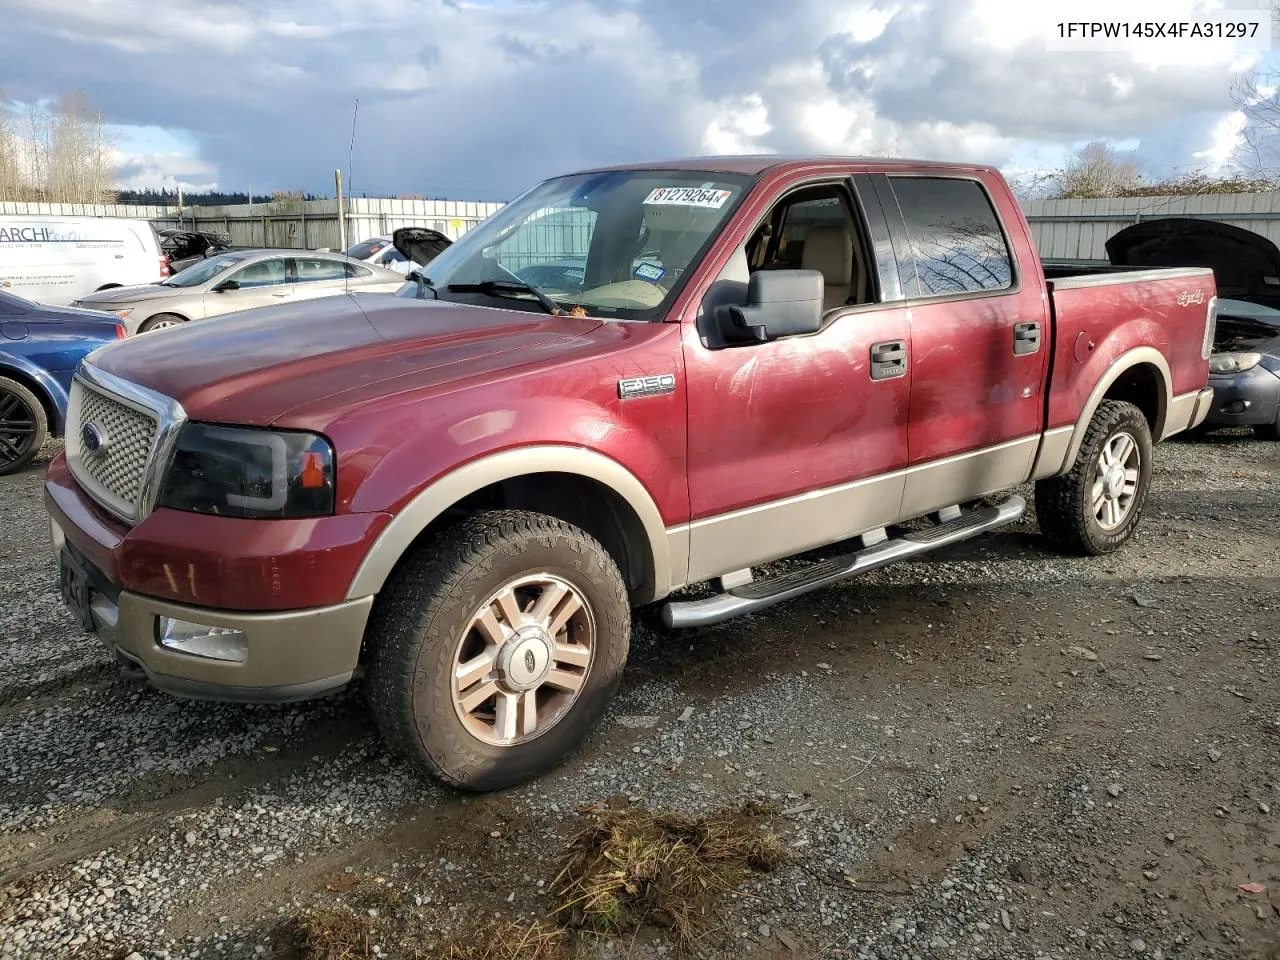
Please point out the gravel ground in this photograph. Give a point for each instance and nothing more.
(995, 751)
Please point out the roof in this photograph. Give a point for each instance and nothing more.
(752, 165)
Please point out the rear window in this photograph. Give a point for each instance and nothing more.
(367, 248)
(955, 237)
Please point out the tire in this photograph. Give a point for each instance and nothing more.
(23, 426)
(162, 321)
(1065, 505)
(424, 625)
(1267, 431)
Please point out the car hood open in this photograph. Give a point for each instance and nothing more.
(419, 244)
(1245, 264)
(255, 366)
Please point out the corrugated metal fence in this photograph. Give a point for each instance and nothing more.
(301, 224)
(1079, 229)
(1064, 229)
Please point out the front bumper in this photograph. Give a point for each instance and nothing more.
(1246, 398)
(289, 655)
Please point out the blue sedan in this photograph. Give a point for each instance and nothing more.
(40, 348)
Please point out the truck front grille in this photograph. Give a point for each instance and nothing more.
(115, 439)
(118, 467)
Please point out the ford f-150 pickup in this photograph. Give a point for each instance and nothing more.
(626, 381)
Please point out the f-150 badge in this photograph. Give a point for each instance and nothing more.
(652, 386)
(1188, 297)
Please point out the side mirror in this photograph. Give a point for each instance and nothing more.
(780, 303)
(226, 285)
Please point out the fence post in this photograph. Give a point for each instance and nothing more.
(342, 220)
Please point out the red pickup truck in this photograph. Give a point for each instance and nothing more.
(626, 381)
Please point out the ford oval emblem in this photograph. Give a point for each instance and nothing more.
(530, 661)
(93, 439)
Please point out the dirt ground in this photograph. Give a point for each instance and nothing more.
(996, 751)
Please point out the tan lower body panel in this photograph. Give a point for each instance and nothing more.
(931, 486)
(747, 538)
(766, 532)
(1187, 411)
(286, 649)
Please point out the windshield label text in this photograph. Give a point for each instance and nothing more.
(688, 197)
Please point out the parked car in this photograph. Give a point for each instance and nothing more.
(240, 280)
(187, 247)
(40, 347)
(1244, 370)
(418, 246)
(57, 260)
(458, 493)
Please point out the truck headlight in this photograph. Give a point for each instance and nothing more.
(242, 472)
(1233, 362)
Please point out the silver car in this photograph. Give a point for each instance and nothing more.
(239, 280)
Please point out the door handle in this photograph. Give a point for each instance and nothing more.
(1026, 337)
(888, 359)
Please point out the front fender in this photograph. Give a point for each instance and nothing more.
(52, 390)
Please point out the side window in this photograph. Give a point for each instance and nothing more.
(311, 270)
(956, 240)
(264, 273)
(391, 256)
(814, 229)
(354, 270)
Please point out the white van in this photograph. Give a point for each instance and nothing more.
(59, 259)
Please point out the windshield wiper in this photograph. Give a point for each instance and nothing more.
(423, 282)
(499, 287)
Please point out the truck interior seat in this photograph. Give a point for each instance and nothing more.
(829, 250)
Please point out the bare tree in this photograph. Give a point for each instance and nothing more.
(1097, 171)
(62, 154)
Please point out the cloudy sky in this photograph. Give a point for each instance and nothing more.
(475, 99)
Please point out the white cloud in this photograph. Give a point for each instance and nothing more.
(478, 99)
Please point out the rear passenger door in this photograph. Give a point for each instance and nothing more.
(318, 277)
(979, 343)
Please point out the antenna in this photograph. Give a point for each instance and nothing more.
(351, 149)
(342, 220)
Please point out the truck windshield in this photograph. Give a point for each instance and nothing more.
(616, 243)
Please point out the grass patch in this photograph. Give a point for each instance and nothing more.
(514, 940)
(328, 934)
(636, 867)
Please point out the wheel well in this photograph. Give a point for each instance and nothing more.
(578, 500)
(108, 286)
(1142, 386)
(46, 401)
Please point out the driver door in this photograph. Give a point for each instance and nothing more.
(260, 284)
(800, 441)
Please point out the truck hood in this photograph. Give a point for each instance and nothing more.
(255, 366)
(1245, 264)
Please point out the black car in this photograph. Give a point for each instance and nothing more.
(186, 247)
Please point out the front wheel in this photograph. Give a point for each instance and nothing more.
(496, 647)
(1095, 509)
(162, 321)
(23, 426)
(1268, 431)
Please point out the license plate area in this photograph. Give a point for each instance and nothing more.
(73, 583)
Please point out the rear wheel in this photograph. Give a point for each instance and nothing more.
(496, 647)
(23, 426)
(162, 321)
(1096, 508)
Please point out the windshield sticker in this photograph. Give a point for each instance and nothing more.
(649, 271)
(688, 197)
